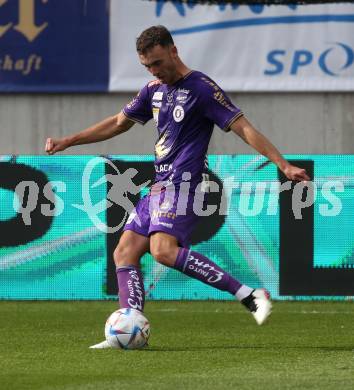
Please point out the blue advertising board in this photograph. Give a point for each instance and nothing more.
(54, 46)
(88, 45)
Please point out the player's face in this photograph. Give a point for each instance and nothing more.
(161, 63)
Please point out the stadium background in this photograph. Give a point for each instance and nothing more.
(306, 123)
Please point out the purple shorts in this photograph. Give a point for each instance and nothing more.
(168, 212)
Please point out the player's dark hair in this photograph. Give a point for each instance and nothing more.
(153, 36)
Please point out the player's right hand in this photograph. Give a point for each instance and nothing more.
(55, 145)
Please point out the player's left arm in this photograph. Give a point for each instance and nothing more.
(244, 129)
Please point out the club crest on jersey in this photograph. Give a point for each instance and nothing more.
(169, 98)
(178, 113)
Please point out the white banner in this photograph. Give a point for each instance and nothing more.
(243, 48)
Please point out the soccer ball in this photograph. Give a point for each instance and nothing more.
(127, 329)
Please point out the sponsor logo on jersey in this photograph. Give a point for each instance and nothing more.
(182, 90)
(161, 150)
(163, 168)
(155, 113)
(220, 98)
(211, 83)
(163, 214)
(166, 205)
(168, 225)
(157, 95)
(178, 113)
(181, 98)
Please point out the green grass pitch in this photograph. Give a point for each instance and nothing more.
(193, 345)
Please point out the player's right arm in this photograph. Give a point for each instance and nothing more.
(108, 128)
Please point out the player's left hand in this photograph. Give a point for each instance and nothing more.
(295, 173)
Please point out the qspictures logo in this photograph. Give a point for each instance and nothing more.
(32, 200)
(18, 17)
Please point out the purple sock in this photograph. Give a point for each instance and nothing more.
(130, 287)
(200, 267)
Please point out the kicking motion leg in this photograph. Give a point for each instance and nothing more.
(166, 251)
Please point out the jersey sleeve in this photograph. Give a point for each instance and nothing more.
(217, 106)
(139, 109)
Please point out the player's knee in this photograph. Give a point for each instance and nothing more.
(121, 255)
(164, 254)
(130, 249)
(161, 256)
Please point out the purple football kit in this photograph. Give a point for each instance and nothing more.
(185, 114)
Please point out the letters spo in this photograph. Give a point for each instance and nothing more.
(331, 61)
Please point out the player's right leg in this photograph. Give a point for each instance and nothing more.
(131, 247)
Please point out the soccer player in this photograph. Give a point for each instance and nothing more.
(185, 104)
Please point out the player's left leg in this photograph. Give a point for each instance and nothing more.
(164, 248)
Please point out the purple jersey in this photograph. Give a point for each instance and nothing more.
(185, 114)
